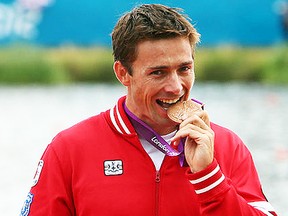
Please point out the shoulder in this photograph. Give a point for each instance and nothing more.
(225, 136)
(230, 150)
(80, 133)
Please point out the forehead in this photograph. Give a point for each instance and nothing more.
(164, 51)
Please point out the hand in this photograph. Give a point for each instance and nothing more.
(199, 145)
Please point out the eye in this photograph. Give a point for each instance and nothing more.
(185, 69)
(157, 72)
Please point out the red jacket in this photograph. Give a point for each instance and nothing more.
(99, 167)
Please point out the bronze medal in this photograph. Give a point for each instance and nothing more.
(182, 110)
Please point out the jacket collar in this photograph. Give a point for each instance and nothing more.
(119, 120)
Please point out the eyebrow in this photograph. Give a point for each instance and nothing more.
(164, 66)
(158, 67)
(186, 63)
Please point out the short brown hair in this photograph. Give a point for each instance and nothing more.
(149, 22)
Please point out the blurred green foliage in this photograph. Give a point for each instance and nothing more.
(249, 64)
(69, 64)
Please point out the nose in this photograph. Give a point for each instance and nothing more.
(174, 84)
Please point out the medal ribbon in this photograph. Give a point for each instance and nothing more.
(154, 138)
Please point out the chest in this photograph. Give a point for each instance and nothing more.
(124, 181)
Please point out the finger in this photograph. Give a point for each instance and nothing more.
(195, 120)
(174, 144)
(204, 116)
(194, 127)
(192, 132)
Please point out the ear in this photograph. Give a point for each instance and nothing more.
(121, 73)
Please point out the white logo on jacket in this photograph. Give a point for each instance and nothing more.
(113, 167)
(26, 206)
(38, 172)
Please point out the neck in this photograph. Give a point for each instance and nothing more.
(159, 129)
(164, 130)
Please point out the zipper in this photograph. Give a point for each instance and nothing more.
(157, 180)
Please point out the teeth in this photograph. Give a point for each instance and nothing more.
(170, 101)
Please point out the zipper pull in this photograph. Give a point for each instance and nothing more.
(157, 179)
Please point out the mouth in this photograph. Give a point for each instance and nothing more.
(166, 103)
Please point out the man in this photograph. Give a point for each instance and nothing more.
(106, 165)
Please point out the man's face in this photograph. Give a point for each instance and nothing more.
(162, 74)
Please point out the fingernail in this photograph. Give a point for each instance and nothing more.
(173, 145)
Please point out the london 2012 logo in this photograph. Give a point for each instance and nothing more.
(20, 18)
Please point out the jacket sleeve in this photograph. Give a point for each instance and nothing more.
(50, 193)
(239, 194)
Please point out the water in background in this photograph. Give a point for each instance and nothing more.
(86, 22)
(31, 116)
